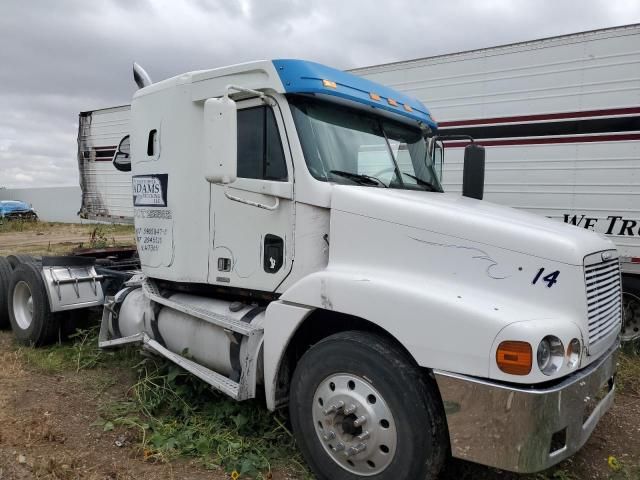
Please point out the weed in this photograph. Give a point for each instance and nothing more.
(99, 238)
(83, 353)
(179, 415)
(628, 375)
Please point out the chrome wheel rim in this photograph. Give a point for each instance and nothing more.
(354, 424)
(22, 305)
(630, 317)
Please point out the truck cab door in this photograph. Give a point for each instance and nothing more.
(251, 219)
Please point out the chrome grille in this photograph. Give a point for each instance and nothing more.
(604, 298)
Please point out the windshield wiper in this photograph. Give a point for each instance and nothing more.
(360, 178)
(422, 182)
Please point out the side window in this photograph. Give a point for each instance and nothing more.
(260, 153)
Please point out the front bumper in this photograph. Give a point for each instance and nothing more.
(19, 215)
(526, 430)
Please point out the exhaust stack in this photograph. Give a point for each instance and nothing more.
(140, 76)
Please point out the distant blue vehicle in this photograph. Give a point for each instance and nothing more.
(16, 210)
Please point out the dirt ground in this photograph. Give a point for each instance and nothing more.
(43, 238)
(48, 431)
(47, 428)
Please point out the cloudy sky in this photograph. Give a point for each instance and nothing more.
(60, 57)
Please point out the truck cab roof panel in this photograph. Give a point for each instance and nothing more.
(300, 76)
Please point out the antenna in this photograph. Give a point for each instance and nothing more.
(140, 76)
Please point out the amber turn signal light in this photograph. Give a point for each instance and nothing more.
(514, 358)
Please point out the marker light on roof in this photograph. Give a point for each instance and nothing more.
(374, 96)
(408, 108)
(329, 84)
(392, 102)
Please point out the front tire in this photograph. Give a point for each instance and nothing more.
(32, 321)
(360, 408)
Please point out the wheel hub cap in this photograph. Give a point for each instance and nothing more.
(354, 424)
(23, 305)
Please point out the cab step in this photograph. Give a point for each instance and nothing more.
(216, 380)
(228, 323)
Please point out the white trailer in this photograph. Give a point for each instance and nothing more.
(106, 192)
(560, 118)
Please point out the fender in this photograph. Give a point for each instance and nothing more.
(442, 325)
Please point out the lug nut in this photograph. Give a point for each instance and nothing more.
(334, 408)
(329, 436)
(363, 436)
(339, 447)
(350, 409)
(358, 422)
(361, 447)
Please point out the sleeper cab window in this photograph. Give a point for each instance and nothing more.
(260, 153)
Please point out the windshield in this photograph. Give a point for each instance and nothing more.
(345, 145)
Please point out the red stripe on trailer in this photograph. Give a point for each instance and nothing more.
(635, 259)
(548, 140)
(542, 116)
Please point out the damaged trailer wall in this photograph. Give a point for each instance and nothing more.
(106, 192)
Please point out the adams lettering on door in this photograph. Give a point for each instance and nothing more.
(150, 190)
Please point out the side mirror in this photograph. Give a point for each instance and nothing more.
(122, 158)
(473, 173)
(438, 158)
(220, 162)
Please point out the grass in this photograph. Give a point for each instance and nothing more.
(178, 415)
(81, 353)
(44, 227)
(628, 376)
(51, 238)
(173, 414)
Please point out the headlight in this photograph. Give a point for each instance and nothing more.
(550, 355)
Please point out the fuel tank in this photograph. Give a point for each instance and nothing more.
(206, 343)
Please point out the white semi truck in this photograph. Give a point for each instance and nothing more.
(296, 245)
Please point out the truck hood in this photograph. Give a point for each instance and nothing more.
(10, 206)
(474, 220)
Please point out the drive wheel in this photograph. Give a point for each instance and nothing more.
(360, 408)
(16, 260)
(5, 280)
(32, 321)
(630, 309)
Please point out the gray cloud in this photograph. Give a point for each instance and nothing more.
(59, 58)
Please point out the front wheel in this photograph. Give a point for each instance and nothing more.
(360, 408)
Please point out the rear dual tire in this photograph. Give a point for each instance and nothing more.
(31, 319)
(5, 281)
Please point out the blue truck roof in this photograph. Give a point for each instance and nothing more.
(300, 76)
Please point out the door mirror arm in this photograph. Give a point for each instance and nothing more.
(474, 163)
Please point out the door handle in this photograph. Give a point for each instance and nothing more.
(253, 204)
